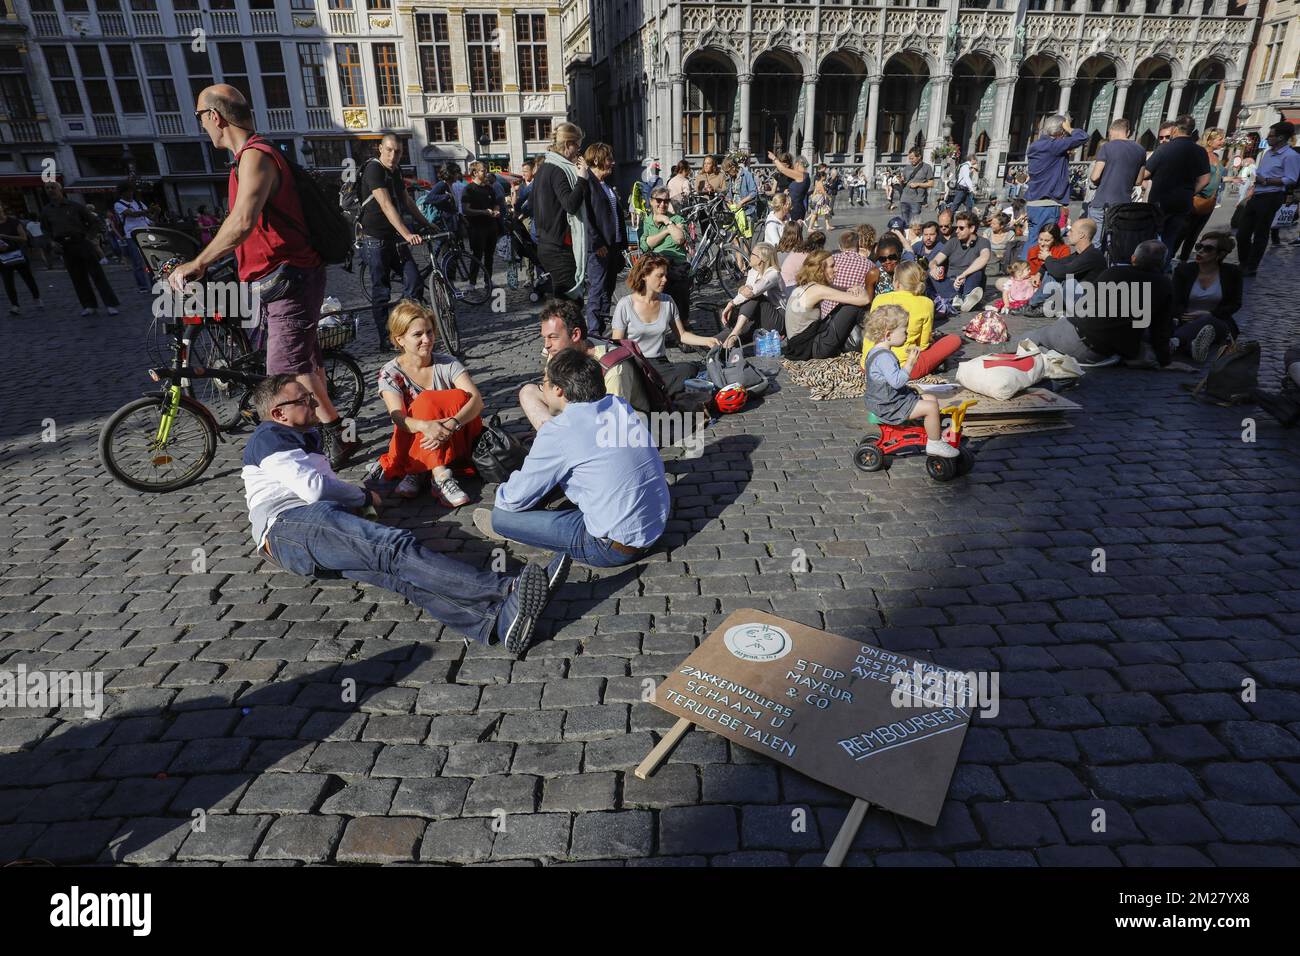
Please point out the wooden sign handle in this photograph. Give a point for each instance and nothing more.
(848, 830)
(661, 750)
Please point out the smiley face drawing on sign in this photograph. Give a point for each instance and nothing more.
(758, 642)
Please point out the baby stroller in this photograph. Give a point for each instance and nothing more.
(523, 247)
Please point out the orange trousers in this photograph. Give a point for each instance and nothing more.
(406, 456)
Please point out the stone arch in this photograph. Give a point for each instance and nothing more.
(840, 103)
(1092, 98)
(972, 94)
(709, 105)
(774, 100)
(903, 103)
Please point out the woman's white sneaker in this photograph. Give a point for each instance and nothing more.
(447, 492)
(1201, 345)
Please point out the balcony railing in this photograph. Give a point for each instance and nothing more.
(225, 23)
(320, 118)
(392, 117)
(147, 24)
(112, 24)
(170, 124)
(487, 103)
(264, 21)
(1263, 91)
(187, 21)
(25, 131)
(280, 120)
(107, 126)
(47, 24)
(345, 23)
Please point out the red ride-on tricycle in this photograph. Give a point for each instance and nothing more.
(885, 440)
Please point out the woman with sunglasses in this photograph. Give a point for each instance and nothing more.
(889, 252)
(665, 235)
(1207, 295)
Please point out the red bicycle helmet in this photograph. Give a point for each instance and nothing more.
(731, 399)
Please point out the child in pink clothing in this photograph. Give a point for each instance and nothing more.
(1018, 290)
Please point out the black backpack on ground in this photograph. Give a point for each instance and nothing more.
(326, 228)
(1127, 226)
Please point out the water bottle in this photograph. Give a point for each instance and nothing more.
(512, 275)
(763, 345)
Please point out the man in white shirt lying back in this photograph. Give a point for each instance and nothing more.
(305, 518)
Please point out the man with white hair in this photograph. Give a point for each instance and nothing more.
(1049, 173)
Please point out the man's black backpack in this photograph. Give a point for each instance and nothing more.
(326, 228)
(350, 194)
(1127, 226)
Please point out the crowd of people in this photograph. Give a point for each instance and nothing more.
(604, 365)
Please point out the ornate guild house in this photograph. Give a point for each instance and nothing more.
(857, 82)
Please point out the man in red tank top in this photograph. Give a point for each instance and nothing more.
(266, 230)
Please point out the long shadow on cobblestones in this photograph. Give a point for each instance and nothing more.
(127, 786)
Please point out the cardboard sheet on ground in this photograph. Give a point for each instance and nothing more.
(824, 705)
(1032, 402)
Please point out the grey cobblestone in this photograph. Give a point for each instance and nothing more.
(1120, 691)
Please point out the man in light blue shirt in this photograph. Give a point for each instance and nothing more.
(1275, 176)
(600, 453)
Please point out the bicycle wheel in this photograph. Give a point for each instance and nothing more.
(363, 277)
(130, 448)
(347, 389)
(219, 345)
(731, 269)
(443, 304)
(458, 267)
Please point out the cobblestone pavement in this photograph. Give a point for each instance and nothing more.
(1120, 690)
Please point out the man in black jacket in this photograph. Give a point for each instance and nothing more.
(1084, 265)
(605, 238)
(1126, 306)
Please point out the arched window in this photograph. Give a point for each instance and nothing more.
(710, 97)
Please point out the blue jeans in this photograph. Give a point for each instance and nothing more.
(962, 199)
(1098, 215)
(943, 291)
(137, 265)
(562, 531)
(602, 274)
(1039, 218)
(326, 540)
(910, 211)
(383, 257)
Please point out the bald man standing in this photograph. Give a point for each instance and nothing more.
(267, 232)
(384, 202)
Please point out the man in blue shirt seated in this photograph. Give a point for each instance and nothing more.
(305, 518)
(600, 453)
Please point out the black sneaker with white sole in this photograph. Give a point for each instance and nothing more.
(522, 607)
(556, 571)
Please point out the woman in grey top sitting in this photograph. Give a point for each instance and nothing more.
(647, 317)
(808, 334)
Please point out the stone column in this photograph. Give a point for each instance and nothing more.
(679, 111)
(1175, 97)
(1225, 119)
(873, 124)
(744, 79)
(809, 115)
(1001, 141)
(938, 110)
(1063, 102)
(1121, 94)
